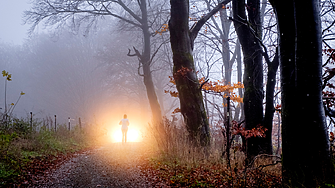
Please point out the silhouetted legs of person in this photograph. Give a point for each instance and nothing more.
(124, 136)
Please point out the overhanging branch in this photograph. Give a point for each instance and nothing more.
(196, 28)
(139, 56)
(154, 54)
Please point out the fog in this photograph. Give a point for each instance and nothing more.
(13, 29)
(76, 75)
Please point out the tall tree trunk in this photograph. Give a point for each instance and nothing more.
(146, 62)
(278, 152)
(253, 71)
(152, 96)
(225, 24)
(227, 64)
(184, 73)
(269, 105)
(239, 111)
(182, 42)
(306, 157)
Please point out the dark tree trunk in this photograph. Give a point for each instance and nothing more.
(146, 62)
(306, 158)
(151, 93)
(182, 42)
(269, 97)
(190, 96)
(278, 152)
(253, 71)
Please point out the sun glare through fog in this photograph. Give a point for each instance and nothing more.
(136, 129)
(133, 135)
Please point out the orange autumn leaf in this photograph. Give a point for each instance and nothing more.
(211, 86)
(164, 28)
(172, 93)
(176, 110)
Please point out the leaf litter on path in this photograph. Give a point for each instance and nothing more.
(112, 165)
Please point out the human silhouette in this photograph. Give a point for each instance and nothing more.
(124, 128)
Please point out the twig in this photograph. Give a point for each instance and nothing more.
(261, 155)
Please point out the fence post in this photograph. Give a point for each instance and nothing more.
(31, 120)
(69, 124)
(79, 124)
(55, 124)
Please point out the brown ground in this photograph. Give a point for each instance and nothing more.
(113, 165)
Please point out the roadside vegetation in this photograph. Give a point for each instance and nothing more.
(178, 164)
(28, 148)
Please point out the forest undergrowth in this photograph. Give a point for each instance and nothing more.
(26, 152)
(169, 158)
(179, 164)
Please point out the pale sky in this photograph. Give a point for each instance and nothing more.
(12, 29)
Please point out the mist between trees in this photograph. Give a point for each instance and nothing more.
(102, 59)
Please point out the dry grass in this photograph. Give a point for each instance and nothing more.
(178, 163)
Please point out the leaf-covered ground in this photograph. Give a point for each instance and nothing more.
(112, 165)
(132, 165)
(211, 175)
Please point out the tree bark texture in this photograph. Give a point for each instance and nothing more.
(184, 73)
(305, 145)
(248, 28)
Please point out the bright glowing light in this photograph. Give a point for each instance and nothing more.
(117, 136)
(132, 135)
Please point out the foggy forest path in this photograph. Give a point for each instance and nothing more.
(112, 165)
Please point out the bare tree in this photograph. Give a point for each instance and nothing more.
(122, 77)
(60, 13)
(220, 35)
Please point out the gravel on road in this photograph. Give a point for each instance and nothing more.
(112, 165)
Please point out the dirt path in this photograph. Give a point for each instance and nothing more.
(113, 165)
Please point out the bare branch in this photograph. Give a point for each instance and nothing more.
(196, 28)
(326, 29)
(217, 107)
(54, 13)
(265, 52)
(213, 20)
(139, 69)
(129, 11)
(203, 83)
(261, 155)
(154, 54)
(216, 45)
(122, 18)
(137, 53)
(329, 58)
(130, 55)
